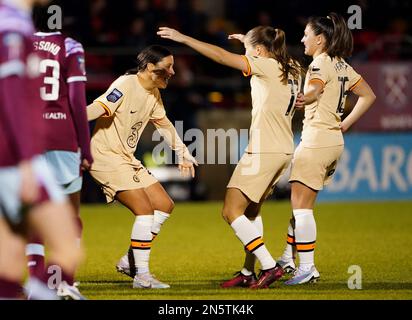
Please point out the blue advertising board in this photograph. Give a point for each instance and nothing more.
(373, 167)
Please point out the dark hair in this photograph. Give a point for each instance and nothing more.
(274, 40)
(152, 54)
(339, 40)
(40, 18)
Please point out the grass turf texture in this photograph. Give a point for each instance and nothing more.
(196, 250)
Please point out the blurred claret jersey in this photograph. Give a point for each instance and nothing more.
(62, 62)
(18, 84)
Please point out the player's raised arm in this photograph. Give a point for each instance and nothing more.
(366, 99)
(213, 52)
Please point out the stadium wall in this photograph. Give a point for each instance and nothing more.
(373, 167)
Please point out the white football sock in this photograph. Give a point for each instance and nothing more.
(288, 253)
(159, 218)
(141, 242)
(305, 237)
(252, 240)
(250, 258)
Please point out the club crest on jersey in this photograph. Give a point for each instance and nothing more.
(114, 95)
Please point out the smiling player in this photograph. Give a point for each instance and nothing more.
(328, 40)
(131, 102)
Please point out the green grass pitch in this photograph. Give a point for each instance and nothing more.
(196, 250)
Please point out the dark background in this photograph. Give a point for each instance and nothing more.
(113, 32)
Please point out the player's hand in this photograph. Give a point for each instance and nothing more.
(343, 127)
(186, 165)
(169, 33)
(187, 169)
(237, 36)
(29, 191)
(85, 165)
(300, 101)
(187, 157)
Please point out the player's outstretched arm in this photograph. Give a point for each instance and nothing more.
(213, 52)
(366, 99)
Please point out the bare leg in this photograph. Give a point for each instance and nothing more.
(54, 223)
(235, 204)
(12, 258)
(136, 201)
(159, 198)
(302, 196)
(35, 247)
(74, 199)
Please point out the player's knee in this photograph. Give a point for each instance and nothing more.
(170, 206)
(166, 205)
(225, 214)
(229, 214)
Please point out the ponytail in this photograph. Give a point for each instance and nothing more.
(280, 53)
(274, 40)
(339, 40)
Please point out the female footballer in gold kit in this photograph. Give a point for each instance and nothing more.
(131, 102)
(275, 82)
(329, 79)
